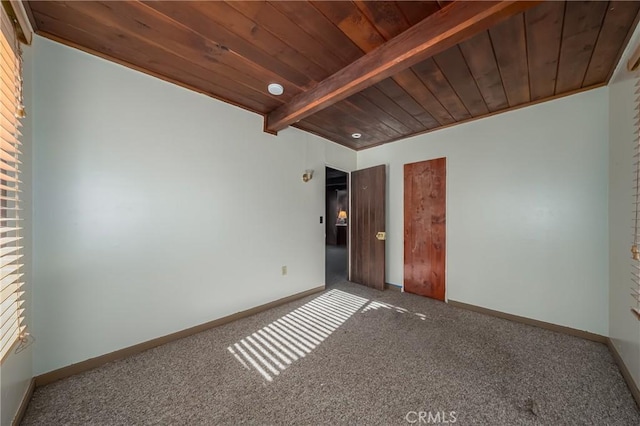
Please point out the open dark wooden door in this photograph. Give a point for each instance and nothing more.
(368, 191)
(424, 228)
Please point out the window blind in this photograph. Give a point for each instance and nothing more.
(12, 327)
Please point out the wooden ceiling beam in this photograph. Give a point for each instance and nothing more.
(451, 25)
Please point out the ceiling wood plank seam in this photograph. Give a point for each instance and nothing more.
(445, 28)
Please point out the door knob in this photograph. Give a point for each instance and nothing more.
(381, 236)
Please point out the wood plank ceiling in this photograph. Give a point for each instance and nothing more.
(232, 50)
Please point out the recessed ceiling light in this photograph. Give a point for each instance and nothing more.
(276, 89)
(356, 135)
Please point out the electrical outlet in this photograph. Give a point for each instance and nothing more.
(284, 270)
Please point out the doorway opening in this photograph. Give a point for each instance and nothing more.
(336, 227)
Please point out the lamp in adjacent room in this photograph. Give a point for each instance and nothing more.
(342, 216)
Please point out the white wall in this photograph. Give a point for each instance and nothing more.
(624, 328)
(526, 209)
(157, 209)
(154, 206)
(16, 369)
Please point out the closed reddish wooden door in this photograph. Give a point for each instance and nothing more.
(368, 189)
(425, 228)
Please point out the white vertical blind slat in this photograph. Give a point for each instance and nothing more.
(11, 263)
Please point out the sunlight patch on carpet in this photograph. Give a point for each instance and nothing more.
(375, 305)
(273, 348)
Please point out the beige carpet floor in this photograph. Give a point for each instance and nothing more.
(352, 355)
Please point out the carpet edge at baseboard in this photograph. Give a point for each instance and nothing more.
(633, 386)
(529, 321)
(392, 287)
(89, 364)
(26, 398)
